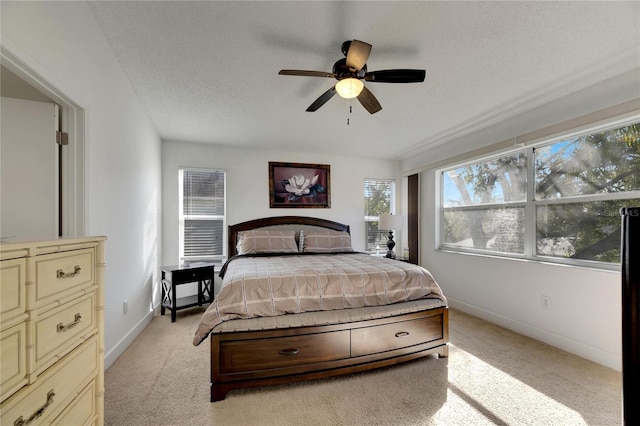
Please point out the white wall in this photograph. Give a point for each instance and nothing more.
(585, 313)
(62, 43)
(248, 186)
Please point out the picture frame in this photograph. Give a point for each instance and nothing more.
(299, 185)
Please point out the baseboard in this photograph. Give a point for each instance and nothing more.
(577, 348)
(111, 356)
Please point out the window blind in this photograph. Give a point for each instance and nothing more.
(203, 193)
(202, 214)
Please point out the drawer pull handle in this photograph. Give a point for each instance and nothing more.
(402, 334)
(62, 327)
(287, 352)
(76, 271)
(22, 422)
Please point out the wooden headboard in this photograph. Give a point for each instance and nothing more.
(290, 222)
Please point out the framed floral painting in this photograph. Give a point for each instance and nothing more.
(299, 185)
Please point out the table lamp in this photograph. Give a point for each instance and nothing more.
(389, 222)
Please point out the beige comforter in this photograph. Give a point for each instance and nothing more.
(270, 286)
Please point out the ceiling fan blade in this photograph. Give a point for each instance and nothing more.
(304, 73)
(396, 76)
(322, 99)
(368, 101)
(358, 54)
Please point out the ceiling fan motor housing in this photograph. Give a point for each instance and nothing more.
(341, 70)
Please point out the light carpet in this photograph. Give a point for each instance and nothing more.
(491, 377)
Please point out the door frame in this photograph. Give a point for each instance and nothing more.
(73, 157)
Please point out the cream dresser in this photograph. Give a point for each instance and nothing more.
(52, 332)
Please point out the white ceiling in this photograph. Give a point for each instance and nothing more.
(207, 71)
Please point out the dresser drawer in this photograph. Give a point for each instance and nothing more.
(246, 355)
(54, 390)
(57, 331)
(82, 411)
(60, 274)
(12, 291)
(13, 360)
(370, 340)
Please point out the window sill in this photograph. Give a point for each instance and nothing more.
(542, 261)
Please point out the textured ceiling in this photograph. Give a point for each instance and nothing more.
(207, 71)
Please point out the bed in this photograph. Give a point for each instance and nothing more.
(284, 314)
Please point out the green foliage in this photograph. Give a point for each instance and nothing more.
(377, 198)
(598, 163)
(501, 180)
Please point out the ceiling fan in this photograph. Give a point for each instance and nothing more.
(350, 73)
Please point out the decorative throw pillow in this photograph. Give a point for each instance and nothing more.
(327, 242)
(250, 242)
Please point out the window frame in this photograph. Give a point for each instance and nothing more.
(182, 218)
(532, 203)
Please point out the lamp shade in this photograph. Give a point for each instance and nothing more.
(349, 87)
(388, 222)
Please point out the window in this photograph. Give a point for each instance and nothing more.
(379, 198)
(202, 214)
(484, 205)
(559, 200)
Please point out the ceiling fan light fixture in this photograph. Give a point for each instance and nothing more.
(349, 88)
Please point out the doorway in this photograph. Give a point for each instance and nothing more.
(19, 81)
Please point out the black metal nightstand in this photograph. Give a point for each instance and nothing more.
(172, 276)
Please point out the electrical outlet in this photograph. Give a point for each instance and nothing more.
(546, 302)
(125, 307)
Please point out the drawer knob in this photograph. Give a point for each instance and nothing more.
(288, 352)
(22, 422)
(62, 274)
(62, 327)
(402, 334)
